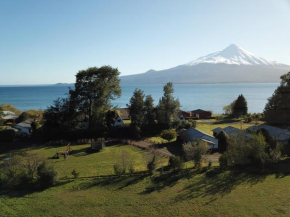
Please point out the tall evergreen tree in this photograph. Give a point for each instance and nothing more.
(149, 111)
(136, 108)
(277, 110)
(240, 106)
(168, 107)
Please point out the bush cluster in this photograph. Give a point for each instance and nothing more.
(250, 149)
(26, 172)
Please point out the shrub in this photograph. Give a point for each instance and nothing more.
(131, 169)
(175, 163)
(136, 131)
(194, 151)
(46, 175)
(168, 135)
(118, 169)
(152, 164)
(75, 174)
(252, 148)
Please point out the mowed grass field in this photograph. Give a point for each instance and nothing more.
(190, 193)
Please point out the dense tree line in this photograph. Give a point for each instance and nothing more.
(143, 113)
(277, 110)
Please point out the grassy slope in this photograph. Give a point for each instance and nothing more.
(226, 194)
(195, 195)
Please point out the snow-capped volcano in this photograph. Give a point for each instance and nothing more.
(233, 64)
(236, 55)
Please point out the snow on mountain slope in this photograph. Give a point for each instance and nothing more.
(234, 55)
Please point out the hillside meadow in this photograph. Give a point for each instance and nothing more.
(190, 192)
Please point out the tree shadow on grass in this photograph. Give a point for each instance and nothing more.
(114, 183)
(174, 148)
(167, 180)
(17, 193)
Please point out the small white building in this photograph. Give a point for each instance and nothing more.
(24, 128)
(119, 121)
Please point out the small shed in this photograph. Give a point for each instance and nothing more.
(98, 145)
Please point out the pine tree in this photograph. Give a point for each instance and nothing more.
(149, 111)
(136, 108)
(240, 106)
(277, 110)
(168, 107)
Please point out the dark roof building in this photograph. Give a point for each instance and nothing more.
(282, 135)
(199, 113)
(193, 134)
(228, 130)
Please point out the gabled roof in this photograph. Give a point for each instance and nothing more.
(124, 113)
(192, 134)
(228, 130)
(198, 111)
(275, 132)
(24, 124)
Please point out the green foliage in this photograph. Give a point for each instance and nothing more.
(240, 107)
(223, 141)
(175, 163)
(46, 175)
(229, 109)
(252, 148)
(61, 116)
(277, 110)
(194, 151)
(168, 107)
(168, 135)
(34, 126)
(94, 90)
(119, 170)
(152, 165)
(75, 174)
(91, 99)
(136, 108)
(149, 111)
(10, 107)
(188, 124)
(131, 169)
(22, 117)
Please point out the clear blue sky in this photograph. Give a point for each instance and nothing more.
(45, 42)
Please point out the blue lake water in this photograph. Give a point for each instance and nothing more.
(192, 96)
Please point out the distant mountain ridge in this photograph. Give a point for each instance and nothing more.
(231, 65)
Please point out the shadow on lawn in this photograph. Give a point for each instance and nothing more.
(116, 183)
(174, 148)
(216, 183)
(16, 193)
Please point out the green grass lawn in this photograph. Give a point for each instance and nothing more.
(189, 193)
(91, 164)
